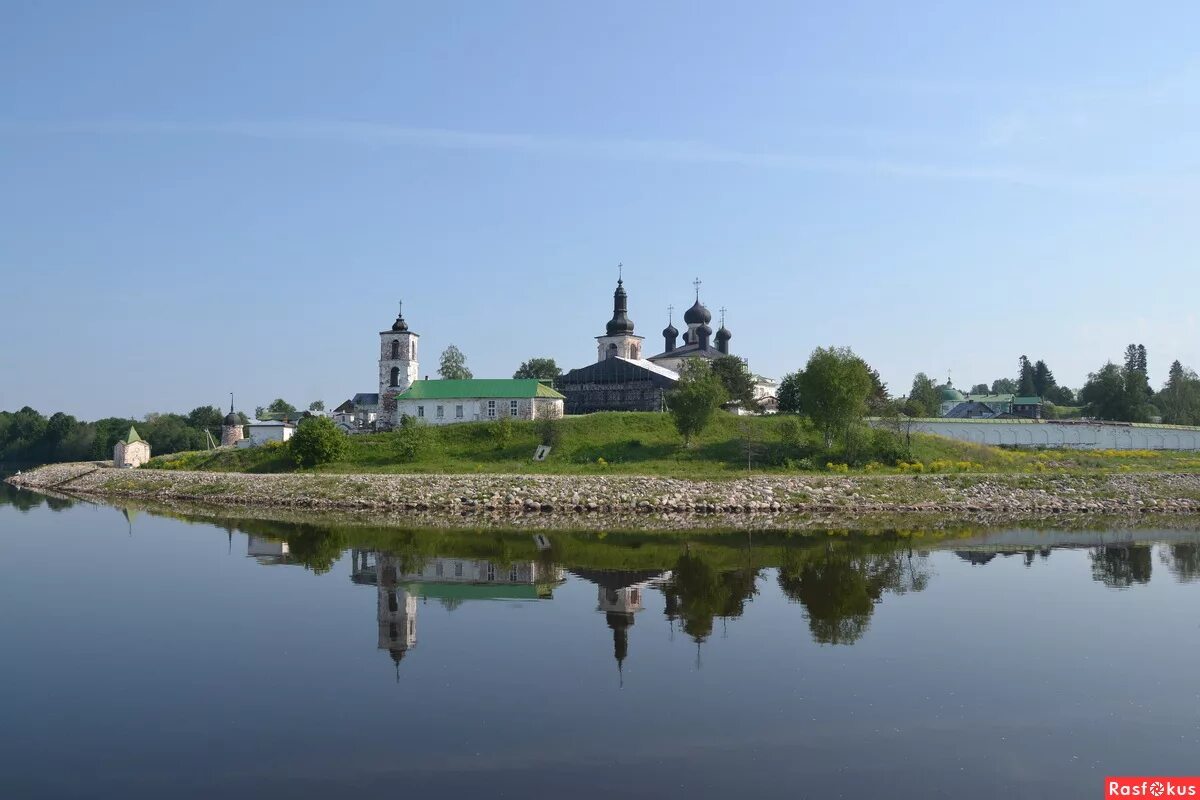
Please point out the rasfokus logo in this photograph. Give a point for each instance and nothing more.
(1151, 786)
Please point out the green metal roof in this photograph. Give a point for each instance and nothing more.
(474, 591)
(1027, 401)
(132, 436)
(990, 398)
(479, 387)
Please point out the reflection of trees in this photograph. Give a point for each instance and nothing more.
(1183, 560)
(315, 547)
(698, 593)
(839, 586)
(1120, 567)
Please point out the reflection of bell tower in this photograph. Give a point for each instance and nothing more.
(397, 615)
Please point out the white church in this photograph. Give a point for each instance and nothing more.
(438, 402)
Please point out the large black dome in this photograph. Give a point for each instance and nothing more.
(232, 419)
(400, 326)
(620, 322)
(670, 332)
(697, 314)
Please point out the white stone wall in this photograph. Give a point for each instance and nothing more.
(628, 346)
(476, 409)
(231, 434)
(131, 455)
(1049, 433)
(407, 360)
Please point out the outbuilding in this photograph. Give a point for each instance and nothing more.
(132, 451)
(260, 432)
(444, 402)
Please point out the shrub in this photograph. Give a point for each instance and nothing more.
(549, 432)
(501, 432)
(889, 447)
(411, 439)
(317, 441)
(790, 433)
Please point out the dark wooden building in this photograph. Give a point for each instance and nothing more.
(615, 384)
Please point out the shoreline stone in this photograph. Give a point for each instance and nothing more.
(484, 495)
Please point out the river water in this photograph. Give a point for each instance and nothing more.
(155, 656)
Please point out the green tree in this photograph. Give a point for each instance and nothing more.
(695, 399)
(411, 439)
(1179, 399)
(834, 388)
(789, 394)
(1025, 379)
(737, 379)
(924, 400)
(544, 369)
(316, 405)
(205, 418)
(1113, 393)
(453, 365)
(317, 440)
(1004, 386)
(979, 388)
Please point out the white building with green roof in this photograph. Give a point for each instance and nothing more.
(131, 451)
(443, 402)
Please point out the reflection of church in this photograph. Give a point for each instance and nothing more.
(619, 598)
(401, 581)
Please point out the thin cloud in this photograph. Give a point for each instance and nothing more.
(665, 151)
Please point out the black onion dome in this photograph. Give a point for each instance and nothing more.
(723, 334)
(620, 322)
(703, 331)
(670, 332)
(400, 326)
(697, 314)
(232, 419)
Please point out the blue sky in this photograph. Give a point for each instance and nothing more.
(213, 197)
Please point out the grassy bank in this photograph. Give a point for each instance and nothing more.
(647, 444)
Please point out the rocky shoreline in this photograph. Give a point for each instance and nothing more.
(1025, 496)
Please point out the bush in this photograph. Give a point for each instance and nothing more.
(317, 441)
(411, 440)
(501, 432)
(549, 432)
(889, 447)
(791, 434)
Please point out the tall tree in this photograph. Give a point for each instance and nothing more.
(924, 397)
(834, 388)
(281, 406)
(735, 376)
(1025, 382)
(316, 405)
(453, 365)
(1004, 386)
(789, 394)
(695, 399)
(544, 369)
(1179, 399)
(1115, 393)
(979, 388)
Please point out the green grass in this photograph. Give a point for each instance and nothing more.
(647, 444)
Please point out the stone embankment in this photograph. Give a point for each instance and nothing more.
(1024, 495)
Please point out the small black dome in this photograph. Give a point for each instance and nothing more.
(697, 314)
(670, 332)
(723, 334)
(232, 419)
(399, 326)
(703, 331)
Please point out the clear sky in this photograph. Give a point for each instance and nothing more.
(199, 198)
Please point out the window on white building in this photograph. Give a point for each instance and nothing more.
(441, 412)
(512, 408)
(491, 409)
(458, 412)
(458, 569)
(420, 411)
(440, 569)
(491, 571)
(512, 573)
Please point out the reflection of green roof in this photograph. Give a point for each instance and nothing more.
(478, 387)
(474, 591)
(132, 436)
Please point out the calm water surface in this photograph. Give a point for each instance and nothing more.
(147, 656)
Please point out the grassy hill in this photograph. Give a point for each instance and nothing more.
(647, 444)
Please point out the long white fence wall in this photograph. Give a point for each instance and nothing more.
(1047, 433)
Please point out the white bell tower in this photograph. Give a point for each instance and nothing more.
(398, 357)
